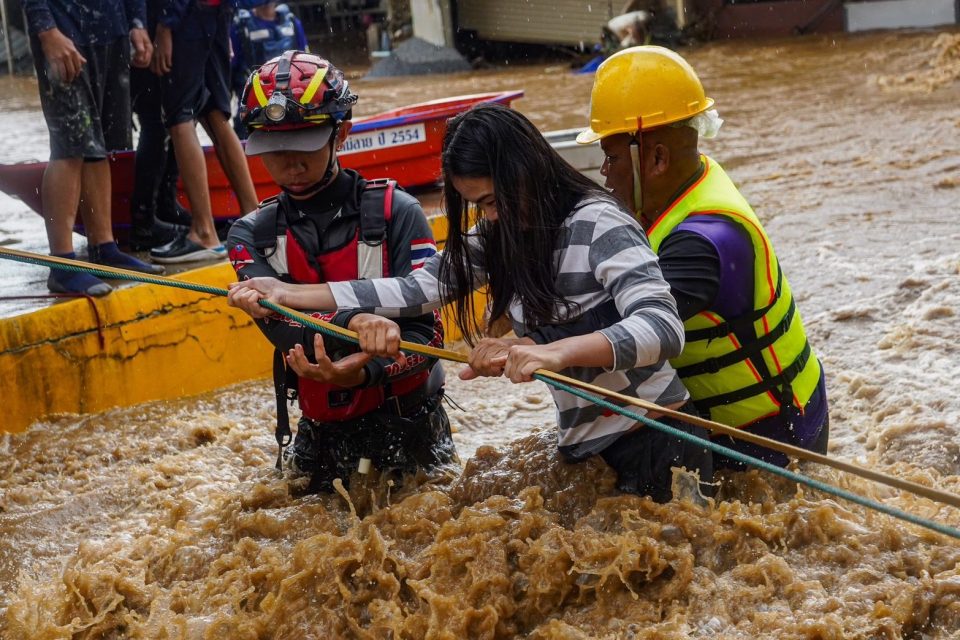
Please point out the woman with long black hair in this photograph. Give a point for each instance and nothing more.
(550, 246)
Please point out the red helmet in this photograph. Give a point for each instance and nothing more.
(291, 93)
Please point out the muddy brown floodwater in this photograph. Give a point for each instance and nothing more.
(167, 521)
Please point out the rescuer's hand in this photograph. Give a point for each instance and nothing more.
(246, 295)
(346, 372)
(162, 51)
(142, 48)
(379, 336)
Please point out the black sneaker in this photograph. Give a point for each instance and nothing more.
(183, 249)
(155, 235)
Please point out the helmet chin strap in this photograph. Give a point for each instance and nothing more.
(636, 161)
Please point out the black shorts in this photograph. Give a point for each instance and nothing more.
(643, 459)
(90, 116)
(402, 444)
(145, 97)
(199, 80)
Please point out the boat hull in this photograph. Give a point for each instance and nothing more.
(585, 158)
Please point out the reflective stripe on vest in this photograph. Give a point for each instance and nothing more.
(372, 259)
(266, 39)
(736, 383)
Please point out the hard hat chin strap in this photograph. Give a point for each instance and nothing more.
(636, 161)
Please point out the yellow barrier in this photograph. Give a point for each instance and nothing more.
(438, 224)
(160, 343)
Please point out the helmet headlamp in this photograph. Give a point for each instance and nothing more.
(276, 109)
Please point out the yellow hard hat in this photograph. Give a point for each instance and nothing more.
(652, 86)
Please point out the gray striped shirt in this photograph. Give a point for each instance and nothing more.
(603, 255)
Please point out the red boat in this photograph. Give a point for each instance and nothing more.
(403, 144)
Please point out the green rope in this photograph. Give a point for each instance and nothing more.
(741, 457)
(706, 443)
(603, 402)
(110, 275)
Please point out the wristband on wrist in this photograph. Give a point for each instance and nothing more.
(365, 382)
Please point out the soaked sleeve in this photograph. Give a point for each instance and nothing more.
(136, 10)
(624, 264)
(246, 260)
(691, 266)
(173, 11)
(302, 44)
(410, 239)
(39, 17)
(418, 293)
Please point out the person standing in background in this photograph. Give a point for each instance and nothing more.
(193, 58)
(259, 34)
(153, 203)
(82, 52)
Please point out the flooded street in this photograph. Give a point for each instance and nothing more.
(167, 520)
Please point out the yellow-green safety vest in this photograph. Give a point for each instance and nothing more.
(740, 383)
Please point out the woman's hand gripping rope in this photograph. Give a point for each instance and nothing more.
(515, 358)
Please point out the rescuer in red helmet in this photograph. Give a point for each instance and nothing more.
(328, 224)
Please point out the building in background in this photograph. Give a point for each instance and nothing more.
(746, 18)
(578, 22)
(349, 29)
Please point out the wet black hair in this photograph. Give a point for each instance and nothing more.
(534, 189)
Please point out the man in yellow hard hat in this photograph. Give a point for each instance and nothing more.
(747, 362)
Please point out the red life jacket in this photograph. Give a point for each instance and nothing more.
(365, 255)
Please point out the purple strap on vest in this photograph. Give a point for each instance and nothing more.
(735, 292)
